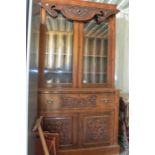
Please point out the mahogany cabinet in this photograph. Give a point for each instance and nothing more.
(76, 93)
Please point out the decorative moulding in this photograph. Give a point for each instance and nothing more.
(78, 13)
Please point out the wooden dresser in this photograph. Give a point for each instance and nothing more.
(76, 93)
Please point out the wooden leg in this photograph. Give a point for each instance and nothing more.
(43, 142)
(41, 134)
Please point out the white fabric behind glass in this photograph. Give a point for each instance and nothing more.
(122, 53)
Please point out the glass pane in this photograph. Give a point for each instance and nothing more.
(59, 49)
(95, 53)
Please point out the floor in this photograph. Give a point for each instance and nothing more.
(125, 153)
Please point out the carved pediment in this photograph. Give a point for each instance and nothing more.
(78, 13)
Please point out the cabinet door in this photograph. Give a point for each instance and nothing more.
(63, 124)
(96, 52)
(96, 128)
(57, 48)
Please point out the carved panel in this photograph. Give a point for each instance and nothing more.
(97, 129)
(78, 13)
(74, 102)
(63, 126)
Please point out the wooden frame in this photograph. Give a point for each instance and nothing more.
(42, 44)
(78, 45)
(75, 54)
(111, 56)
(111, 52)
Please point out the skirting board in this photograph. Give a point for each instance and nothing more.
(109, 150)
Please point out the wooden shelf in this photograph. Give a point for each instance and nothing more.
(97, 37)
(56, 72)
(59, 32)
(95, 73)
(58, 54)
(99, 84)
(51, 85)
(98, 56)
(95, 56)
(59, 83)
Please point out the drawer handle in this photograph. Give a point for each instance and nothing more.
(106, 100)
(50, 101)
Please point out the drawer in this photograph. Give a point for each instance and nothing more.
(48, 102)
(106, 99)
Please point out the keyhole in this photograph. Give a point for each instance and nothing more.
(79, 11)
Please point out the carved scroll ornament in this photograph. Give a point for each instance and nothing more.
(78, 13)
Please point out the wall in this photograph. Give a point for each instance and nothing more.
(122, 53)
(32, 57)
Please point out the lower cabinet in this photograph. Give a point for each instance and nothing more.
(86, 121)
(81, 129)
(96, 128)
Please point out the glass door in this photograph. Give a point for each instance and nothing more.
(58, 64)
(95, 53)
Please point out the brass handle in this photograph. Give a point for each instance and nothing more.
(50, 101)
(106, 100)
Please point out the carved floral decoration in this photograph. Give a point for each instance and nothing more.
(74, 102)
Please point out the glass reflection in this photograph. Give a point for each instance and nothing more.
(95, 53)
(59, 46)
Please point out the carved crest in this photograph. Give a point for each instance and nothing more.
(77, 13)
